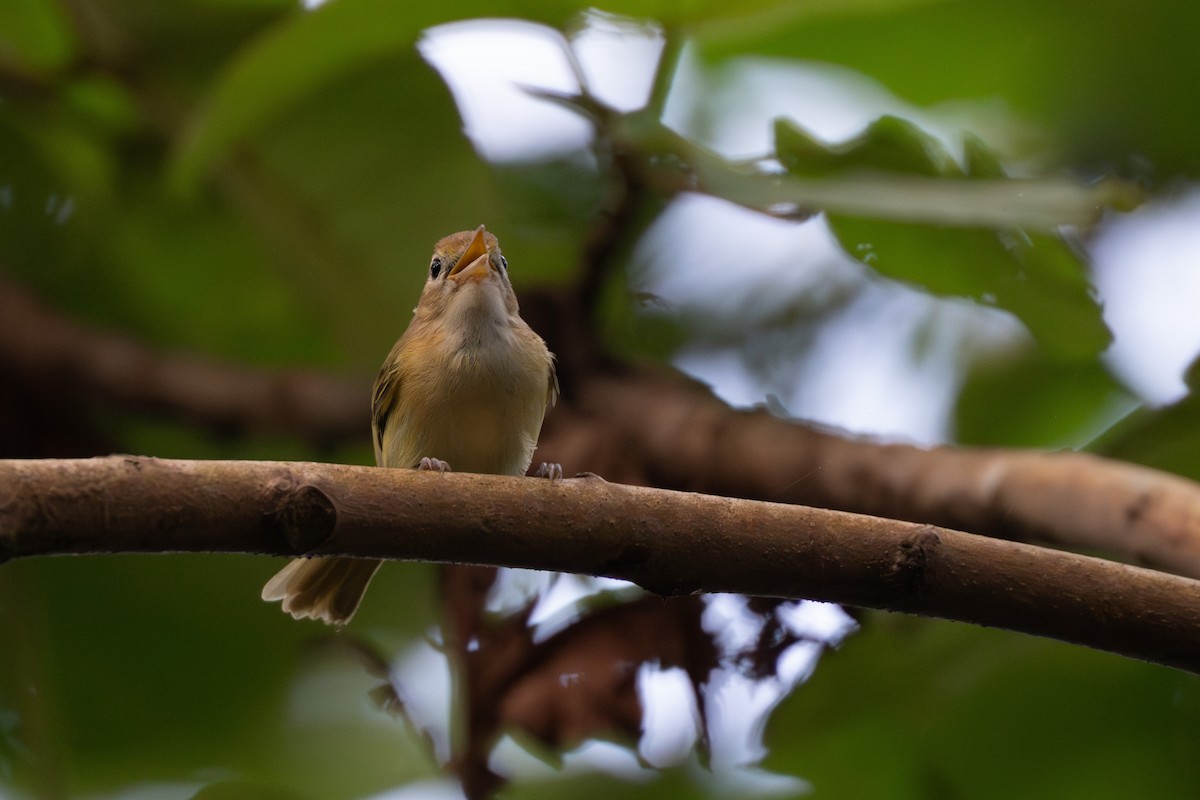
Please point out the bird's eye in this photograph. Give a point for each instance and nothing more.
(435, 268)
(504, 263)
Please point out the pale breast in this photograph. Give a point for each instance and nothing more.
(478, 409)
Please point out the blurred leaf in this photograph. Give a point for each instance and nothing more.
(745, 23)
(889, 144)
(637, 326)
(353, 192)
(31, 236)
(546, 210)
(304, 53)
(193, 276)
(1037, 276)
(185, 646)
(237, 790)
(1112, 85)
(312, 49)
(979, 160)
(103, 104)
(1042, 204)
(332, 740)
(79, 163)
(969, 712)
(35, 36)
(149, 658)
(1166, 438)
(283, 66)
(1030, 400)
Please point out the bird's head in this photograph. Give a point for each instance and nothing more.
(467, 280)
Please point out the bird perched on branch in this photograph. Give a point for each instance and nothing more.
(467, 385)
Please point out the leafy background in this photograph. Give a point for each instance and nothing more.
(247, 180)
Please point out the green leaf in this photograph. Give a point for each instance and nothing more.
(35, 36)
(310, 50)
(1107, 87)
(1031, 400)
(352, 225)
(980, 160)
(800, 151)
(889, 144)
(293, 60)
(912, 708)
(131, 648)
(896, 157)
(282, 67)
(1166, 438)
(1036, 276)
(160, 668)
(239, 790)
(103, 103)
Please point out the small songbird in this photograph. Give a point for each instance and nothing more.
(466, 386)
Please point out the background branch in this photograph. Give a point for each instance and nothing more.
(683, 437)
(667, 542)
(63, 358)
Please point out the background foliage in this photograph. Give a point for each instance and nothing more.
(260, 183)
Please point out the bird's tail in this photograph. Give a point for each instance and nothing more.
(328, 589)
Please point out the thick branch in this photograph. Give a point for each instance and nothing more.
(668, 542)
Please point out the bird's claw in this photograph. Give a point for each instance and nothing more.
(434, 465)
(549, 470)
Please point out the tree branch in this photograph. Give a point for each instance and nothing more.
(72, 360)
(667, 542)
(680, 436)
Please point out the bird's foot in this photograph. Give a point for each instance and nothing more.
(434, 465)
(549, 470)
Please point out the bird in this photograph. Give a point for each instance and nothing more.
(465, 387)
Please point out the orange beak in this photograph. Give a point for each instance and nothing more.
(475, 262)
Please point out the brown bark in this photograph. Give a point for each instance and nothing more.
(682, 437)
(668, 542)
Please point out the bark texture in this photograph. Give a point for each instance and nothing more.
(670, 543)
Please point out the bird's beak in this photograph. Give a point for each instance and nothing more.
(475, 263)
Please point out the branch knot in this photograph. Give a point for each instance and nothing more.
(303, 513)
(913, 565)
